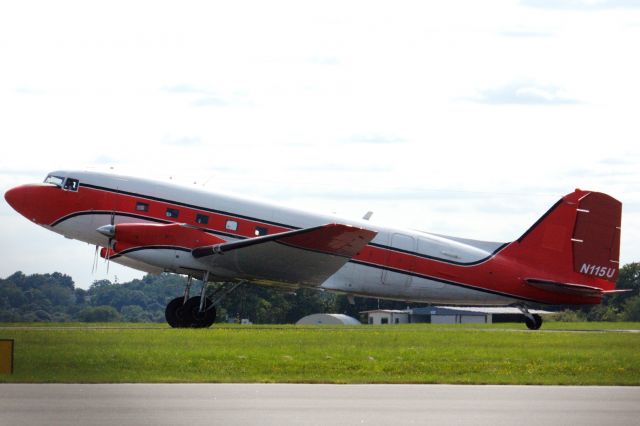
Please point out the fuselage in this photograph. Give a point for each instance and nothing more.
(397, 264)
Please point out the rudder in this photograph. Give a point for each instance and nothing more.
(596, 236)
(576, 241)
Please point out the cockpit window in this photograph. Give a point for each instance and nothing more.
(56, 180)
(71, 184)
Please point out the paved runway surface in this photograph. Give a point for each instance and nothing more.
(283, 404)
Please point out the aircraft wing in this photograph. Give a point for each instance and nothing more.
(301, 257)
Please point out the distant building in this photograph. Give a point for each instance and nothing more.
(331, 319)
(448, 315)
(387, 316)
(451, 315)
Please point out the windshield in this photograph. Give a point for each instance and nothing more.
(56, 180)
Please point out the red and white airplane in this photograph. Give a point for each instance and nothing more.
(569, 256)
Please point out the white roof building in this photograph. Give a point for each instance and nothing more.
(331, 319)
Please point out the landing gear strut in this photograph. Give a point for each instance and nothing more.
(194, 312)
(198, 311)
(533, 321)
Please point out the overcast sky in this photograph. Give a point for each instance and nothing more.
(467, 118)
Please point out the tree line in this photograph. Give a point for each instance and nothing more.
(54, 297)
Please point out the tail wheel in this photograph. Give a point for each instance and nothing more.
(174, 313)
(194, 318)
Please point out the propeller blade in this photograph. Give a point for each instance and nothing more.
(108, 254)
(94, 266)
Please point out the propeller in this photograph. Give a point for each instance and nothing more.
(110, 242)
(108, 231)
(94, 267)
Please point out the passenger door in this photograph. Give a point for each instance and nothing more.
(400, 260)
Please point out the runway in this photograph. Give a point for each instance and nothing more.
(284, 404)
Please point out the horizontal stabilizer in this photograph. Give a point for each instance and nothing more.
(305, 256)
(566, 288)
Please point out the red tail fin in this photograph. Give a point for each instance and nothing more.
(596, 236)
(576, 242)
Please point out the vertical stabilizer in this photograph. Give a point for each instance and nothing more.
(577, 241)
(596, 236)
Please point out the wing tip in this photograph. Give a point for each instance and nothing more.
(333, 238)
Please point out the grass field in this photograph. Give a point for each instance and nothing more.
(419, 353)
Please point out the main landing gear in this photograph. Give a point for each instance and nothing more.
(533, 321)
(198, 311)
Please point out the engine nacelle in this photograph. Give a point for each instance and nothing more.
(129, 236)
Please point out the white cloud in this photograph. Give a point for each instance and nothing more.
(583, 4)
(374, 138)
(525, 93)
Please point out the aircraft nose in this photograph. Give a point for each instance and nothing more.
(15, 197)
(24, 200)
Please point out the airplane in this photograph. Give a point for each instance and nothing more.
(570, 256)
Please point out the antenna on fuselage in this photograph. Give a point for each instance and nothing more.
(206, 181)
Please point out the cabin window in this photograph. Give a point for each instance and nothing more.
(173, 213)
(71, 184)
(142, 207)
(231, 225)
(260, 230)
(202, 219)
(55, 180)
(384, 320)
(397, 320)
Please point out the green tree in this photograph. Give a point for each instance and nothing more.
(99, 314)
(134, 313)
(628, 278)
(631, 311)
(9, 315)
(12, 295)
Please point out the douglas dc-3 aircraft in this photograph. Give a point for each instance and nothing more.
(569, 256)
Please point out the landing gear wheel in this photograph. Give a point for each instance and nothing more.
(194, 318)
(174, 313)
(538, 319)
(535, 323)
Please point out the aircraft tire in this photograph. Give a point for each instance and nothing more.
(538, 319)
(173, 313)
(196, 319)
(535, 323)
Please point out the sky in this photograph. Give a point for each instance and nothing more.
(462, 118)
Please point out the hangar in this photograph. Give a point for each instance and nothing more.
(388, 316)
(332, 319)
(448, 315)
(451, 315)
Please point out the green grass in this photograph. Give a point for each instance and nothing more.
(420, 353)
